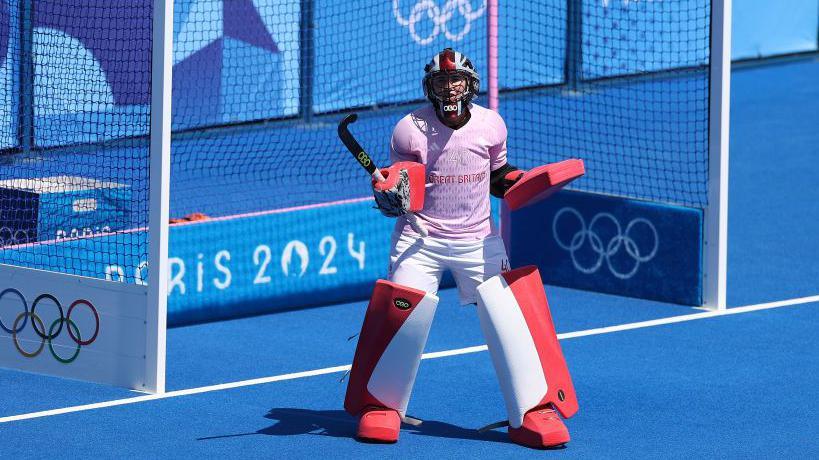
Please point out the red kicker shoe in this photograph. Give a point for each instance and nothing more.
(378, 424)
(541, 428)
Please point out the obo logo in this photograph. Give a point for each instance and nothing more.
(440, 18)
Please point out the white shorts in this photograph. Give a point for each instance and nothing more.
(420, 262)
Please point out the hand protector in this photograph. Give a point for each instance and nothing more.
(402, 191)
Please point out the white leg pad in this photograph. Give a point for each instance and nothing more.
(393, 377)
(512, 348)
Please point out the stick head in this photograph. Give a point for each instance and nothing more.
(351, 118)
(353, 146)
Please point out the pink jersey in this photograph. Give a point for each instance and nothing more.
(458, 163)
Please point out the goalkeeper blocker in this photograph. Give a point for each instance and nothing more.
(541, 182)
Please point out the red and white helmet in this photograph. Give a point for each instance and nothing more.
(451, 62)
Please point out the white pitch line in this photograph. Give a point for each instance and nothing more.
(696, 316)
(173, 394)
(434, 355)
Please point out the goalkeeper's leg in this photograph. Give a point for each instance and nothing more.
(386, 360)
(532, 373)
(392, 339)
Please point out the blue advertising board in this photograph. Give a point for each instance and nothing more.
(373, 52)
(240, 60)
(613, 245)
(61, 207)
(228, 267)
(233, 62)
(315, 256)
(84, 89)
(764, 28)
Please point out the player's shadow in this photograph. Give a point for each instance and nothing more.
(337, 423)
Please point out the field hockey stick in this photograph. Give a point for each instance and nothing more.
(368, 164)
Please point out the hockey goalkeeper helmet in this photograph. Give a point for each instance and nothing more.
(450, 82)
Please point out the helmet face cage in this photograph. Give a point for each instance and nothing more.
(450, 62)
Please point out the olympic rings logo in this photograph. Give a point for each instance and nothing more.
(604, 252)
(10, 236)
(439, 18)
(54, 330)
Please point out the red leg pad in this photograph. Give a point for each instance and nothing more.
(523, 344)
(389, 348)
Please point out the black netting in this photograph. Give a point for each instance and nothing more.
(76, 91)
(259, 87)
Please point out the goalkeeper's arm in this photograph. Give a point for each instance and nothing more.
(501, 179)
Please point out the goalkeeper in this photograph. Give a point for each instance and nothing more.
(461, 146)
